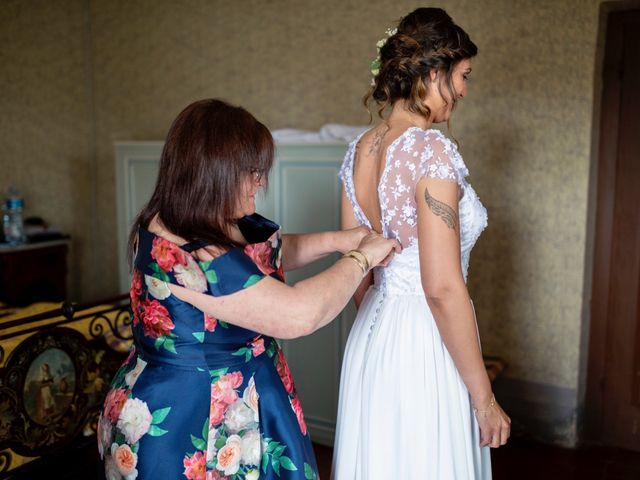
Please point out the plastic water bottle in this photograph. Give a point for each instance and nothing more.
(13, 223)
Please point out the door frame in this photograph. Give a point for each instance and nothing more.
(601, 205)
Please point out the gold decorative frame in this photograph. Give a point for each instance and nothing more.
(56, 374)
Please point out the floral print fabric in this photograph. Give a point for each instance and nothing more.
(199, 398)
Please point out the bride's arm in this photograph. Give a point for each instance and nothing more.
(446, 291)
(348, 221)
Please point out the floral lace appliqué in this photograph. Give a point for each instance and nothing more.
(413, 155)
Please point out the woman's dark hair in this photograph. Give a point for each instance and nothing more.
(210, 149)
(425, 40)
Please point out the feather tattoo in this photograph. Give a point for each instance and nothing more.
(442, 210)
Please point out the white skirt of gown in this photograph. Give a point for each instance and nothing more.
(404, 412)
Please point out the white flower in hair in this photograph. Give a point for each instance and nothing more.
(375, 65)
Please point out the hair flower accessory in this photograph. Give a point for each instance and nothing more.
(375, 64)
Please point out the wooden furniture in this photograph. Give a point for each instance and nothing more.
(77, 349)
(494, 366)
(34, 272)
(612, 397)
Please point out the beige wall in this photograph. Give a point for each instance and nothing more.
(45, 115)
(123, 70)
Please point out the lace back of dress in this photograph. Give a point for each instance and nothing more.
(346, 175)
(415, 154)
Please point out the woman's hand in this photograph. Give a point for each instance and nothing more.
(495, 425)
(300, 249)
(349, 239)
(377, 249)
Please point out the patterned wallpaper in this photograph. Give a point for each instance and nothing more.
(81, 74)
(45, 118)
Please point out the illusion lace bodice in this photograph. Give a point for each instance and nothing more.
(415, 154)
(395, 355)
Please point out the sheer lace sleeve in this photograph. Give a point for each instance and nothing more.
(440, 159)
(414, 155)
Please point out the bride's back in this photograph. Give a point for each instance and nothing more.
(368, 167)
(381, 172)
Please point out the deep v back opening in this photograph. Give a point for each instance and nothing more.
(356, 200)
(380, 179)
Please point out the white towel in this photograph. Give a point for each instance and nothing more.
(328, 132)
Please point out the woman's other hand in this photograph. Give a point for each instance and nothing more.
(378, 250)
(495, 425)
(349, 239)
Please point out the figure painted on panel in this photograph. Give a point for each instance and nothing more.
(46, 402)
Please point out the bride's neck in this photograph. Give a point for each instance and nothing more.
(400, 113)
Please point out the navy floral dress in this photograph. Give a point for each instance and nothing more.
(199, 398)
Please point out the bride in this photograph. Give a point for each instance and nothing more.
(415, 398)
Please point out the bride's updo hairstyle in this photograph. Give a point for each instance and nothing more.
(425, 40)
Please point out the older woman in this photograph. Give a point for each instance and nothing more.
(207, 392)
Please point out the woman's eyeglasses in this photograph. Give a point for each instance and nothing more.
(257, 174)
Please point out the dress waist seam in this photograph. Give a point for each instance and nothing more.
(204, 367)
(391, 293)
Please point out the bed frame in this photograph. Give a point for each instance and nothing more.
(55, 371)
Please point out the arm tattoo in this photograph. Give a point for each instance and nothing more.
(442, 210)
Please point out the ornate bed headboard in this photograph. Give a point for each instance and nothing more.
(55, 368)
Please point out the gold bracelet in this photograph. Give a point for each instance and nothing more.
(363, 258)
(484, 412)
(360, 258)
(358, 261)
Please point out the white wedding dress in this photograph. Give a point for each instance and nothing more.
(404, 412)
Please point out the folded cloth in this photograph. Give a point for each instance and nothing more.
(293, 135)
(335, 131)
(329, 132)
